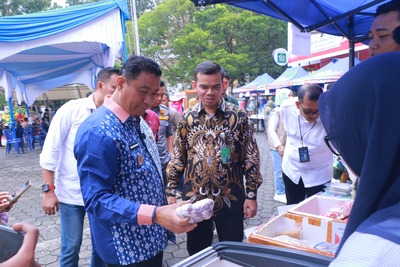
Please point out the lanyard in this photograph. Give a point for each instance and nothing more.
(301, 135)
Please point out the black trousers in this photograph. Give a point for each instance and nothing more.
(296, 193)
(156, 261)
(229, 225)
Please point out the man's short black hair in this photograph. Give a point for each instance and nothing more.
(105, 74)
(312, 90)
(393, 5)
(207, 67)
(162, 83)
(135, 65)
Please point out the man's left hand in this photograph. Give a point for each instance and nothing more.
(250, 208)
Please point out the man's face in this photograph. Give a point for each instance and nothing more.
(225, 85)
(165, 101)
(209, 89)
(380, 34)
(159, 97)
(308, 109)
(139, 94)
(108, 87)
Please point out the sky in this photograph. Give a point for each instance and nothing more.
(59, 2)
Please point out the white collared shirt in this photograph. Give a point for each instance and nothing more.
(58, 149)
(319, 170)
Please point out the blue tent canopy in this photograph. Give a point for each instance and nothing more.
(286, 78)
(327, 16)
(252, 86)
(349, 18)
(44, 50)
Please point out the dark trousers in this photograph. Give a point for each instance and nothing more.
(229, 225)
(296, 193)
(156, 261)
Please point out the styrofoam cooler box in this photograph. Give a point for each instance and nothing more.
(315, 206)
(312, 233)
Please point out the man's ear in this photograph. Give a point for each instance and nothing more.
(99, 85)
(120, 82)
(298, 104)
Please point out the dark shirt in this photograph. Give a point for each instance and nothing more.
(197, 155)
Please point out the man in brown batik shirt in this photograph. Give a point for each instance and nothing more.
(214, 148)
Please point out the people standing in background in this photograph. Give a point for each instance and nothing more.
(193, 101)
(216, 151)
(384, 34)
(153, 121)
(176, 102)
(25, 123)
(46, 115)
(61, 188)
(121, 178)
(175, 117)
(165, 134)
(307, 162)
(225, 86)
(276, 141)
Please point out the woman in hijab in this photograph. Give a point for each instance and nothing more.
(361, 117)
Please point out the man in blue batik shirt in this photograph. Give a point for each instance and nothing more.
(120, 174)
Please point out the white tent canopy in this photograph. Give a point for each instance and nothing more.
(45, 50)
(329, 73)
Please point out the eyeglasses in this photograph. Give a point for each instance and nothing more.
(309, 112)
(331, 147)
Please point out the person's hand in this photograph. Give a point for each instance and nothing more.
(50, 203)
(171, 200)
(25, 256)
(281, 149)
(167, 218)
(250, 208)
(5, 201)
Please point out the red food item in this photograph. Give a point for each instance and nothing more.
(340, 211)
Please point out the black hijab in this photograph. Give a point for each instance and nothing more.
(361, 115)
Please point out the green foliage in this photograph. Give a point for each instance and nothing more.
(179, 36)
(3, 101)
(19, 7)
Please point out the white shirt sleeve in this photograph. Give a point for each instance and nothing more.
(273, 122)
(367, 250)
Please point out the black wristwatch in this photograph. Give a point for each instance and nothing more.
(48, 187)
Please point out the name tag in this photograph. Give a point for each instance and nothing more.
(303, 154)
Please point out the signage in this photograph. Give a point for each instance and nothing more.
(280, 56)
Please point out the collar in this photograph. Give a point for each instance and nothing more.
(90, 103)
(221, 106)
(116, 109)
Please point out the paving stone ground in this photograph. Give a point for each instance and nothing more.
(16, 169)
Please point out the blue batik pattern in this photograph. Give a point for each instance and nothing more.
(139, 180)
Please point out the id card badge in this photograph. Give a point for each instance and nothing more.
(303, 154)
(226, 155)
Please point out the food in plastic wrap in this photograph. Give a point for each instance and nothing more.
(294, 233)
(326, 246)
(340, 211)
(293, 241)
(198, 211)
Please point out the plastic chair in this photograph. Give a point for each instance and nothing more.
(18, 142)
(37, 135)
(28, 139)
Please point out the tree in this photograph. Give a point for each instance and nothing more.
(179, 36)
(19, 7)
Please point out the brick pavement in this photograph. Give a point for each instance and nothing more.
(16, 169)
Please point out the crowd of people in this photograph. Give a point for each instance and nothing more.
(123, 156)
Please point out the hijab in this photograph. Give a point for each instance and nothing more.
(361, 115)
(268, 107)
